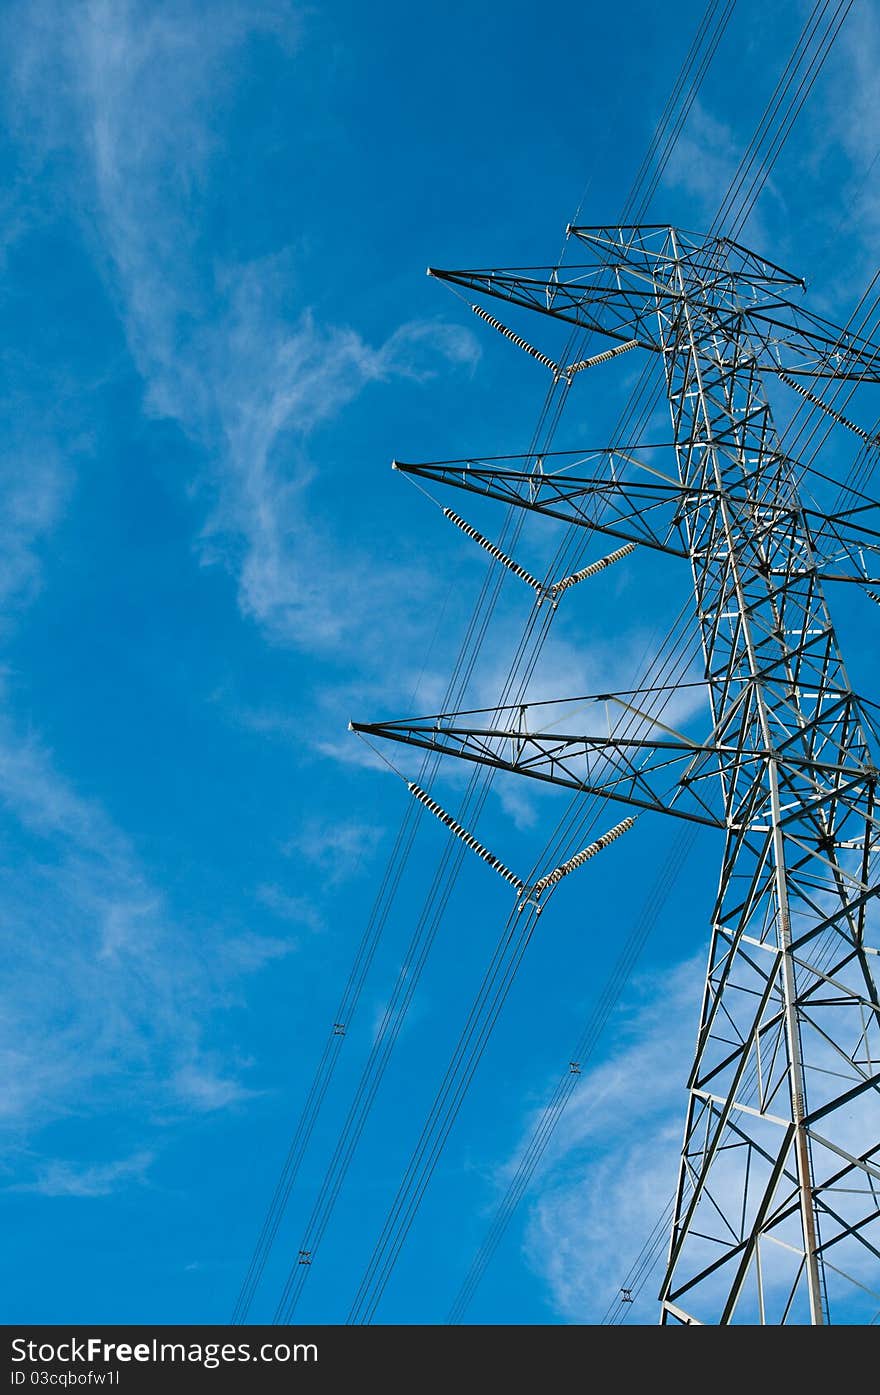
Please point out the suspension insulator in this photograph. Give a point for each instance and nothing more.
(592, 569)
(516, 339)
(494, 551)
(824, 406)
(607, 354)
(584, 856)
(467, 838)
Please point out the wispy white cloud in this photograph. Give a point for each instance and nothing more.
(100, 986)
(613, 1164)
(34, 486)
(58, 1178)
(858, 117)
(854, 125)
(614, 1158)
(106, 991)
(251, 952)
(820, 179)
(204, 1089)
(705, 164)
(109, 992)
(516, 804)
(348, 750)
(224, 349)
(338, 848)
(704, 159)
(300, 910)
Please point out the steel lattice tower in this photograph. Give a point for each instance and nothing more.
(778, 1200)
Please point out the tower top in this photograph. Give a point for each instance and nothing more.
(642, 274)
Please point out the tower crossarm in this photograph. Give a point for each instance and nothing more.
(664, 776)
(653, 766)
(638, 502)
(642, 511)
(629, 282)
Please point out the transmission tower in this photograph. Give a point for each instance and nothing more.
(777, 1209)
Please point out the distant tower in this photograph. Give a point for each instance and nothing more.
(777, 1211)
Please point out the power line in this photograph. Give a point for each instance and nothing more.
(426, 1153)
(548, 421)
(481, 1019)
(573, 1076)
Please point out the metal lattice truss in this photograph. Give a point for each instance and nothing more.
(777, 1215)
(668, 773)
(637, 502)
(631, 288)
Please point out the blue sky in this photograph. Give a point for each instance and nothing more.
(217, 332)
